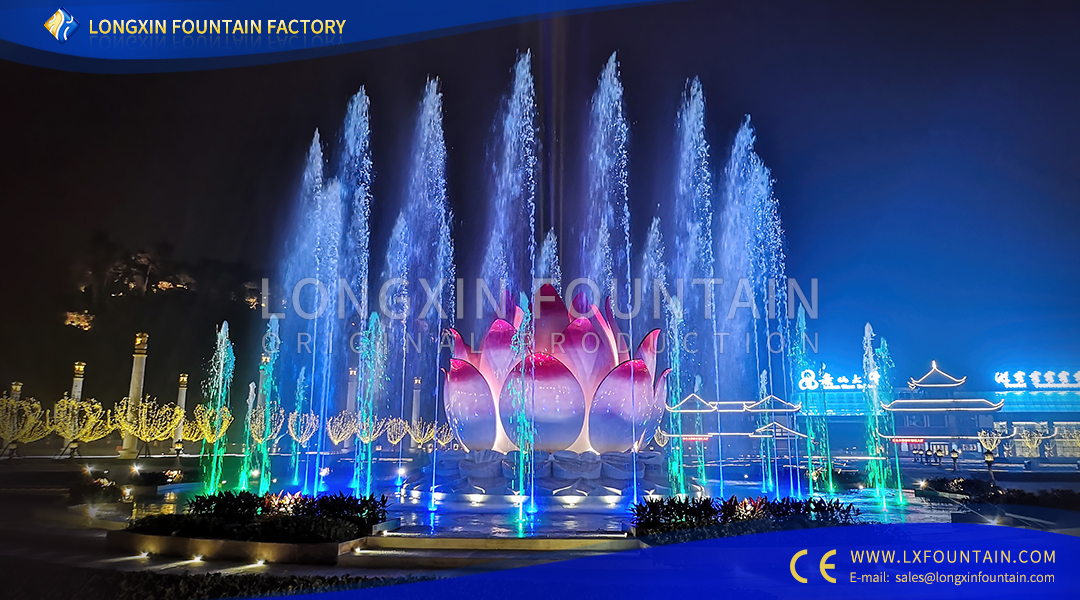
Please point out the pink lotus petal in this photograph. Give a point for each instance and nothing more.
(462, 351)
(647, 350)
(622, 342)
(470, 407)
(550, 320)
(550, 396)
(621, 407)
(581, 305)
(497, 354)
(588, 354)
(658, 410)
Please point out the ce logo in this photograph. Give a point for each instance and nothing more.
(823, 566)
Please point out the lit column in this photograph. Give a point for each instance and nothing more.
(181, 401)
(415, 408)
(16, 390)
(77, 382)
(135, 391)
(264, 365)
(350, 402)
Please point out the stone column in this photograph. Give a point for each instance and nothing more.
(415, 408)
(350, 403)
(181, 401)
(135, 391)
(77, 382)
(264, 364)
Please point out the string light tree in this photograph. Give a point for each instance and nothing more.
(75, 420)
(147, 422)
(22, 421)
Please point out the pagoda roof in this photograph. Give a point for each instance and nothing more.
(771, 403)
(935, 378)
(943, 405)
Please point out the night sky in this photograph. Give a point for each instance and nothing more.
(926, 159)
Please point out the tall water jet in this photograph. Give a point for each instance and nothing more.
(666, 310)
(692, 253)
(372, 375)
(548, 267)
(357, 175)
(812, 398)
(511, 246)
(326, 342)
(420, 264)
(265, 422)
(606, 250)
(752, 251)
(602, 252)
(877, 393)
(216, 390)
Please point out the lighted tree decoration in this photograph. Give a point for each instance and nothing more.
(990, 438)
(265, 423)
(396, 430)
(302, 426)
(74, 419)
(660, 438)
(341, 426)
(368, 430)
(22, 421)
(191, 432)
(105, 425)
(148, 422)
(422, 432)
(212, 423)
(445, 434)
(1033, 436)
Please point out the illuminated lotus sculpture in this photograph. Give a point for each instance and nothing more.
(579, 388)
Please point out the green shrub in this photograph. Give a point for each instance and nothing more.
(229, 505)
(673, 514)
(282, 518)
(94, 491)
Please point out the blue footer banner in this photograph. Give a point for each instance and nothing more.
(872, 561)
(128, 37)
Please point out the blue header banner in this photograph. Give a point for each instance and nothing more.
(190, 35)
(870, 561)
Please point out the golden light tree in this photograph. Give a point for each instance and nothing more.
(422, 432)
(191, 432)
(396, 430)
(77, 419)
(368, 430)
(1033, 436)
(341, 426)
(149, 421)
(444, 435)
(989, 439)
(265, 422)
(212, 423)
(101, 428)
(660, 438)
(302, 426)
(22, 420)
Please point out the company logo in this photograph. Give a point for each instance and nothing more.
(61, 25)
(823, 566)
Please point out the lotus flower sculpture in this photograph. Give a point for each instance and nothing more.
(580, 388)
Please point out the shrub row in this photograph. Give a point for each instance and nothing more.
(283, 518)
(983, 492)
(674, 513)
